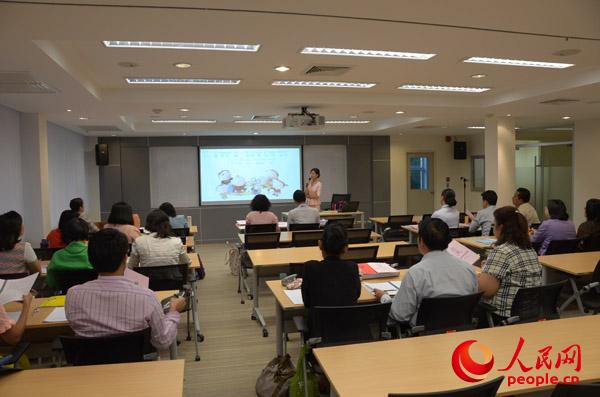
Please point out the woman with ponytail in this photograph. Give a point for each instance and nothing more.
(447, 212)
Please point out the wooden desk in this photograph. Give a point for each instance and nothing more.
(473, 242)
(413, 231)
(242, 227)
(152, 378)
(328, 214)
(286, 237)
(573, 265)
(193, 229)
(423, 364)
(381, 221)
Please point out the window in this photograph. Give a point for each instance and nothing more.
(419, 173)
(477, 173)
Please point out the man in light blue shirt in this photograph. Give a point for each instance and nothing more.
(302, 213)
(437, 274)
(485, 217)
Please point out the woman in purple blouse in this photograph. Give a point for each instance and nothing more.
(556, 226)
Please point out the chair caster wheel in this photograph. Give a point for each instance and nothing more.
(242, 302)
(188, 338)
(250, 297)
(253, 317)
(197, 358)
(265, 333)
(200, 338)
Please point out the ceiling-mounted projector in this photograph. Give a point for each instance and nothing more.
(303, 119)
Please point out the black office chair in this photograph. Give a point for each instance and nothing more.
(13, 276)
(347, 223)
(254, 241)
(459, 232)
(406, 255)
(124, 348)
(302, 226)
(306, 238)
(557, 247)
(396, 221)
(393, 230)
(45, 254)
(182, 233)
(358, 236)
(425, 216)
(576, 390)
(265, 228)
(165, 278)
(487, 389)
(361, 254)
(297, 269)
(12, 356)
(535, 226)
(591, 243)
(590, 293)
(65, 279)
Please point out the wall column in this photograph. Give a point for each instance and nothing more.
(499, 141)
(586, 183)
(34, 163)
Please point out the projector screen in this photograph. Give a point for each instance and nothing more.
(236, 175)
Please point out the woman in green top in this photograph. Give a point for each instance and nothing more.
(74, 256)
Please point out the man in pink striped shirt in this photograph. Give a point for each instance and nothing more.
(114, 305)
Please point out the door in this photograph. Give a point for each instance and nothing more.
(420, 190)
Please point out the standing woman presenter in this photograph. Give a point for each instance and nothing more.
(313, 189)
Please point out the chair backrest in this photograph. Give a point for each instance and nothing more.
(576, 390)
(391, 234)
(339, 325)
(361, 254)
(425, 216)
(181, 232)
(347, 223)
(256, 241)
(45, 254)
(302, 226)
(461, 217)
(591, 243)
(535, 226)
(459, 232)
(357, 236)
(563, 246)
(65, 279)
(448, 313)
(406, 255)
(306, 238)
(297, 269)
(396, 221)
(264, 228)
(165, 278)
(537, 303)
(596, 274)
(13, 276)
(486, 389)
(125, 348)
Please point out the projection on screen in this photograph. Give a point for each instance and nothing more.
(236, 175)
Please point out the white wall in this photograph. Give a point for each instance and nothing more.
(444, 166)
(11, 194)
(72, 172)
(586, 183)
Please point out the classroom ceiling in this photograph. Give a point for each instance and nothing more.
(60, 44)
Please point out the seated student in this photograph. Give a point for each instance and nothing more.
(75, 255)
(591, 227)
(556, 226)
(11, 331)
(160, 247)
(15, 256)
(55, 237)
(121, 218)
(177, 221)
(437, 274)
(302, 213)
(511, 264)
(521, 200)
(260, 214)
(447, 212)
(113, 304)
(76, 205)
(332, 281)
(485, 217)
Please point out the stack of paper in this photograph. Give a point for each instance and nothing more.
(376, 270)
(57, 316)
(390, 287)
(13, 290)
(461, 252)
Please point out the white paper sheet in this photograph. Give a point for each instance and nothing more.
(14, 315)
(295, 295)
(391, 287)
(459, 251)
(56, 316)
(13, 290)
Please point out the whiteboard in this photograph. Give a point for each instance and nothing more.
(331, 161)
(174, 176)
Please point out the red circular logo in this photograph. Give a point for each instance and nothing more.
(468, 369)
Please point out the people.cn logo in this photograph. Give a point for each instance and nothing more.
(468, 369)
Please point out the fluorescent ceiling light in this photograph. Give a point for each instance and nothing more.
(326, 84)
(422, 87)
(182, 65)
(176, 45)
(566, 117)
(83, 118)
(400, 112)
(145, 80)
(518, 62)
(258, 121)
(476, 127)
(559, 129)
(478, 76)
(282, 68)
(347, 122)
(366, 53)
(179, 121)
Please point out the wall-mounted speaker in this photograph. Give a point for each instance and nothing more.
(460, 150)
(101, 154)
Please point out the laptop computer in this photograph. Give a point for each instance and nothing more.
(351, 206)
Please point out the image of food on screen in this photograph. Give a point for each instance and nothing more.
(226, 186)
(239, 184)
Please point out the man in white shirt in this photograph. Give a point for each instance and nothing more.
(521, 200)
(302, 213)
(437, 274)
(485, 217)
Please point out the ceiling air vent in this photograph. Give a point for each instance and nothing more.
(99, 128)
(327, 70)
(559, 101)
(265, 117)
(23, 83)
(426, 127)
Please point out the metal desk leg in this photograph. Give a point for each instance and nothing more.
(199, 337)
(281, 345)
(173, 350)
(574, 297)
(256, 314)
(362, 220)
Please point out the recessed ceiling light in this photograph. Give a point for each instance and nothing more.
(518, 62)
(325, 84)
(255, 133)
(422, 87)
(83, 118)
(173, 45)
(113, 135)
(182, 65)
(478, 76)
(282, 68)
(69, 110)
(566, 117)
(559, 129)
(508, 115)
(347, 122)
(366, 53)
(145, 80)
(175, 121)
(477, 127)
(184, 110)
(400, 112)
(258, 121)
